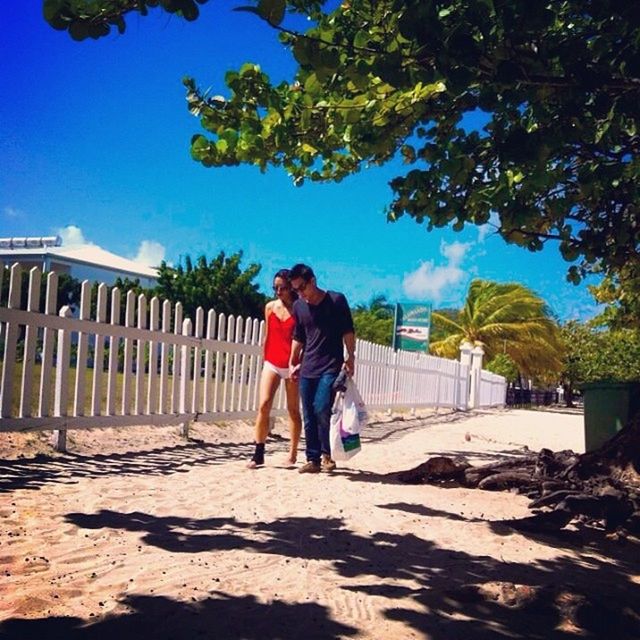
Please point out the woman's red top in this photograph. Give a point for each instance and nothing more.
(279, 336)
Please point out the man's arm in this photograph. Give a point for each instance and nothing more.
(348, 335)
(294, 359)
(349, 340)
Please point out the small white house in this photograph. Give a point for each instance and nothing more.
(85, 262)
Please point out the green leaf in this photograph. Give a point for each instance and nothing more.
(189, 10)
(79, 31)
(52, 11)
(231, 136)
(120, 24)
(352, 115)
(272, 11)
(96, 31)
(311, 84)
(361, 39)
(330, 57)
(199, 143)
(301, 51)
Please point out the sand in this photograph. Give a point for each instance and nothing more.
(139, 533)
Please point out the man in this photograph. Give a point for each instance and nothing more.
(323, 331)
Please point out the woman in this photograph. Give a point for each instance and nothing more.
(279, 324)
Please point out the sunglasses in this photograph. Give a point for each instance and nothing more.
(301, 288)
(281, 287)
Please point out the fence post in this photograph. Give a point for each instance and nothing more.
(98, 351)
(184, 402)
(476, 373)
(48, 338)
(393, 378)
(30, 340)
(465, 365)
(11, 342)
(59, 438)
(82, 352)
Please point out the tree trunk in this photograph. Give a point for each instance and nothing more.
(601, 487)
(568, 394)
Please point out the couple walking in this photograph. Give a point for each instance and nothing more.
(308, 330)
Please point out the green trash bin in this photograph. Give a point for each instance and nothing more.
(607, 408)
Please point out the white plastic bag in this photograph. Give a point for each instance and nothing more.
(348, 418)
(355, 416)
(343, 445)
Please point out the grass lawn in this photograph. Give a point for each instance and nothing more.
(119, 383)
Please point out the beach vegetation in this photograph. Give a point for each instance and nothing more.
(68, 290)
(595, 354)
(216, 386)
(503, 365)
(374, 321)
(439, 330)
(504, 318)
(219, 283)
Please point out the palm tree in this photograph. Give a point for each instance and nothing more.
(504, 318)
(374, 322)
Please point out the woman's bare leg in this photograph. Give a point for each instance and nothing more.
(269, 382)
(295, 420)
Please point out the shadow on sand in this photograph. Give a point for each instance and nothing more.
(42, 469)
(219, 616)
(441, 593)
(33, 473)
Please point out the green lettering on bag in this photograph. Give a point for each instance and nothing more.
(351, 442)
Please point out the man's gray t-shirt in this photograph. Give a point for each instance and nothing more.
(320, 329)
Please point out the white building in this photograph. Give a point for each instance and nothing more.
(84, 262)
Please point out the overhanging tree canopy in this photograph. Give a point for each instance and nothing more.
(555, 86)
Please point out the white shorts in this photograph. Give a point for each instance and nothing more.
(283, 372)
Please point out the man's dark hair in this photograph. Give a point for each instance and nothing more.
(302, 271)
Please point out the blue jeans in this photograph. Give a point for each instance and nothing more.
(317, 398)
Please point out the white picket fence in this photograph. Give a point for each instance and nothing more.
(160, 368)
(493, 390)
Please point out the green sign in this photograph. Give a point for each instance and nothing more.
(412, 324)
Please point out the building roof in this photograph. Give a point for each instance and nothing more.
(88, 254)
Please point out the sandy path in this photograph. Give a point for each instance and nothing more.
(165, 539)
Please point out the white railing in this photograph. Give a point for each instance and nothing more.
(388, 379)
(159, 368)
(493, 389)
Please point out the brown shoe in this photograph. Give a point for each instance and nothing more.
(327, 464)
(310, 467)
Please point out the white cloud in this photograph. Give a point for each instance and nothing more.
(454, 252)
(150, 253)
(72, 236)
(12, 212)
(431, 282)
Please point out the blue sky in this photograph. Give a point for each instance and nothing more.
(94, 145)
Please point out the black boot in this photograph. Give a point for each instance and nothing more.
(257, 459)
